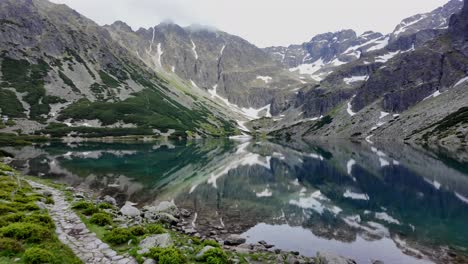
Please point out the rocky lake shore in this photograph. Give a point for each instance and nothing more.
(98, 230)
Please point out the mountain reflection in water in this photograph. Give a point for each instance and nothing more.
(387, 202)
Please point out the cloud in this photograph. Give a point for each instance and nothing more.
(263, 22)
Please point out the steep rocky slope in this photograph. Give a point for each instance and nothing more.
(58, 66)
(325, 52)
(416, 95)
(224, 65)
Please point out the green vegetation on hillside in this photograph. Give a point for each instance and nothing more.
(27, 78)
(7, 139)
(9, 104)
(149, 109)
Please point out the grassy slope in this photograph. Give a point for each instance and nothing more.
(24, 227)
(151, 108)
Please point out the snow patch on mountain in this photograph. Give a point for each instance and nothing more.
(356, 196)
(309, 68)
(350, 107)
(249, 113)
(194, 50)
(266, 79)
(354, 79)
(386, 57)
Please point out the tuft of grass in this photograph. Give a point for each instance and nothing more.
(28, 232)
(9, 247)
(101, 219)
(119, 236)
(155, 229)
(168, 255)
(38, 255)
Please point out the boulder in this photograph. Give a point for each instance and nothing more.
(149, 261)
(202, 252)
(161, 241)
(129, 210)
(330, 258)
(110, 200)
(153, 216)
(163, 207)
(234, 240)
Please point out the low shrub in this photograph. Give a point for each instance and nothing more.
(118, 236)
(35, 218)
(155, 229)
(49, 200)
(211, 243)
(101, 219)
(168, 255)
(215, 256)
(4, 209)
(9, 247)
(28, 232)
(31, 206)
(90, 211)
(5, 167)
(137, 230)
(82, 205)
(105, 206)
(41, 219)
(38, 256)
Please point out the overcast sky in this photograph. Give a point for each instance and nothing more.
(263, 22)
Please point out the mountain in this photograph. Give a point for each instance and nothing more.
(418, 94)
(226, 66)
(65, 76)
(62, 74)
(324, 52)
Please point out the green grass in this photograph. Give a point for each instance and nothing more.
(27, 233)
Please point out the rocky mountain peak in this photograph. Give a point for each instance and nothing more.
(122, 26)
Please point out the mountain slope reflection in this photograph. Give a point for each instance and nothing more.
(345, 193)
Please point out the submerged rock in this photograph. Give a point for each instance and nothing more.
(129, 210)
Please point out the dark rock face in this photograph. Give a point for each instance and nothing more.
(318, 102)
(209, 58)
(437, 19)
(459, 25)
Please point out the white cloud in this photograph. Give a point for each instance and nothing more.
(263, 22)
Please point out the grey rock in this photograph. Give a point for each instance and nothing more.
(150, 261)
(202, 252)
(161, 240)
(129, 210)
(41, 205)
(234, 240)
(330, 258)
(110, 200)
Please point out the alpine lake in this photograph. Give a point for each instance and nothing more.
(383, 201)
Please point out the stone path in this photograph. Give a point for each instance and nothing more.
(73, 232)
